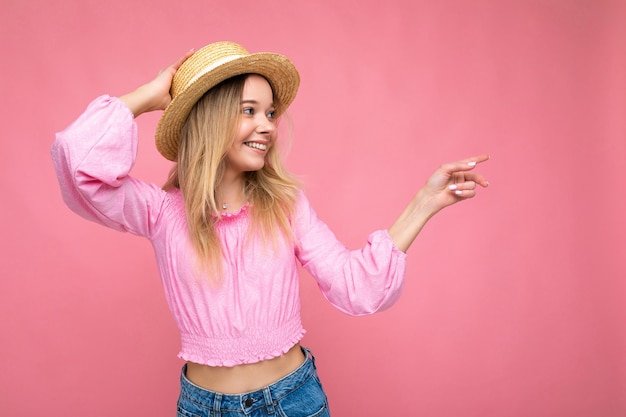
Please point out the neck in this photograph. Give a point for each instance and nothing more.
(230, 193)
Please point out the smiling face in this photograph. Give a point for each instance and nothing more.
(257, 128)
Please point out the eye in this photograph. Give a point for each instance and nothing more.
(271, 114)
(248, 110)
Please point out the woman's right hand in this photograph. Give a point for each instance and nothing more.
(154, 95)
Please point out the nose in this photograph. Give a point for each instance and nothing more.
(266, 125)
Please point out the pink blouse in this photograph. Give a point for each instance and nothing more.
(254, 314)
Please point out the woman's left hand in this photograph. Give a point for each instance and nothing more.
(451, 183)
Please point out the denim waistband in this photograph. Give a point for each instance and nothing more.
(249, 401)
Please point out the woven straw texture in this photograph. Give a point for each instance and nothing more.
(208, 67)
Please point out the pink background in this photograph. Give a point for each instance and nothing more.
(515, 302)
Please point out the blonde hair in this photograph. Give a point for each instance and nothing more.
(207, 136)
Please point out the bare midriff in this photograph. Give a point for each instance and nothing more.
(247, 377)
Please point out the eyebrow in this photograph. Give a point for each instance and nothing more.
(250, 101)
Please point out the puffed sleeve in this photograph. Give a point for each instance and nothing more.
(93, 157)
(357, 282)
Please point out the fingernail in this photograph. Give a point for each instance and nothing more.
(472, 164)
(453, 187)
(458, 192)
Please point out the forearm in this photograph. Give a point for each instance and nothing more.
(411, 221)
(140, 101)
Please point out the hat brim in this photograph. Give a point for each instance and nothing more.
(277, 69)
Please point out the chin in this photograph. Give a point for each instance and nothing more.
(255, 168)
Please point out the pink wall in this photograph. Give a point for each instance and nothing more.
(515, 303)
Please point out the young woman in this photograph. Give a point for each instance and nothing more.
(231, 224)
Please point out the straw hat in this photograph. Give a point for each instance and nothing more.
(208, 67)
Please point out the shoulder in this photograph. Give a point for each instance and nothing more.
(173, 202)
(302, 202)
(304, 213)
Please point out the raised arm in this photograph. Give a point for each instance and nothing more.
(94, 155)
(450, 184)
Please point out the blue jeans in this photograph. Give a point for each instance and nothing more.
(298, 394)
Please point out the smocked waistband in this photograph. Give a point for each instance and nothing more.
(251, 346)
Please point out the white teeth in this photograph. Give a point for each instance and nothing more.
(255, 145)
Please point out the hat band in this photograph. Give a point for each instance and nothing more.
(215, 64)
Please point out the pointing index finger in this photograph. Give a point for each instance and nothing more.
(477, 160)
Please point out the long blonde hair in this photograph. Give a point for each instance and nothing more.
(206, 138)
